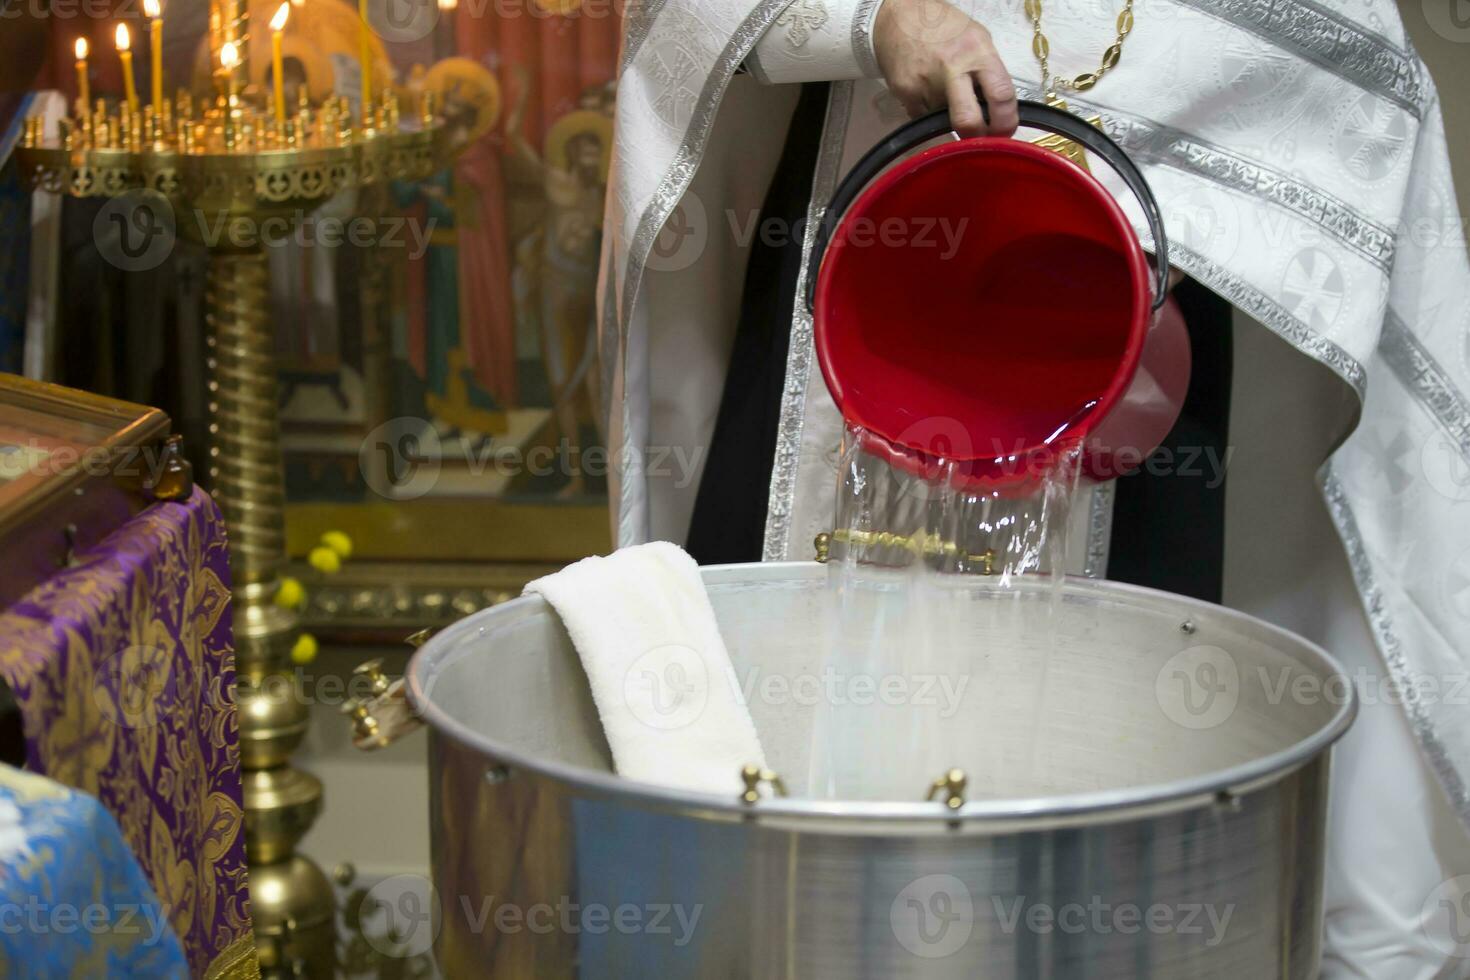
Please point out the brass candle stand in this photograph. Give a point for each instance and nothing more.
(236, 166)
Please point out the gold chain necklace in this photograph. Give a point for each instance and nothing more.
(1041, 47)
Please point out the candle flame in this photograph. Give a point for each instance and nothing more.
(124, 39)
(229, 55)
(152, 9)
(82, 49)
(448, 5)
(278, 22)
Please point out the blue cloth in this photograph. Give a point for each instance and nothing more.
(73, 900)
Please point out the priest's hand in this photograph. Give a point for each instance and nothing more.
(932, 54)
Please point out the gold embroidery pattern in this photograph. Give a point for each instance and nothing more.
(123, 666)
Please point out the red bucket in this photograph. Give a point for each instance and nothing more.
(987, 304)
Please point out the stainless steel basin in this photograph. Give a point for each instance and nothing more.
(1164, 816)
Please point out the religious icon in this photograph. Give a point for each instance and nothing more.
(556, 263)
(468, 380)
(465, 391)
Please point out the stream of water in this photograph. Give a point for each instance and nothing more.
(907, 553)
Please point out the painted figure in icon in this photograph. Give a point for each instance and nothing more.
(556, 262)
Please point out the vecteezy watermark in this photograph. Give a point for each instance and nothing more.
(932, 917)
(1281, 231)
(72, 10)
(302, 686)
(305, 229)
(1207, 463)
(138, 230)
(942, 692)
(139, 685)
(403, 914)
(941, 234)
(142, 685)
(400, 915)
(683, 238)
(942, 442)
(673, 921)
(401, 459)
(685, 235)
(402, 21)
(35, 458)
(667, 687)
(1445, 917)
(1445, 467)
(1199, 687)
(937, 439)
(135, 231)
(35, 915)
(404, 458)
(1450, 19)
(1097, 916)
(1205, 221)
(1289, 685)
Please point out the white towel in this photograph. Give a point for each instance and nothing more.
(660, 675)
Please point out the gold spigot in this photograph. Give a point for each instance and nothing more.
(823, 544)
(364, 725)
(952, 785)
(372, 671)
(383, 715)
(753, 776)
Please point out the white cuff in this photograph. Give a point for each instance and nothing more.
(817, 41)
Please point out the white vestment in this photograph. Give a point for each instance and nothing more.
(1298, 155)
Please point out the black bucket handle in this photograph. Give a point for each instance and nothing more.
(1034, 115)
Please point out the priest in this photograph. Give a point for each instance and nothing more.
(1299, 158)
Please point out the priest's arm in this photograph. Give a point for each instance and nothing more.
(930, 53)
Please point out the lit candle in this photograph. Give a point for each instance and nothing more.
(155, 49)
(124, 51)
(365, 59)
(84, 88)
(229, 58)
(278, 24)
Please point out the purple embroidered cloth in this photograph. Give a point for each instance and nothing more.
(124, 669)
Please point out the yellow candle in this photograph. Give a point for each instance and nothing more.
(155, 37)
(229, 59)
(84, 88)
(124, 51)
(278, 24)
(365, 59)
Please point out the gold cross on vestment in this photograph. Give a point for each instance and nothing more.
(1070, 149)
